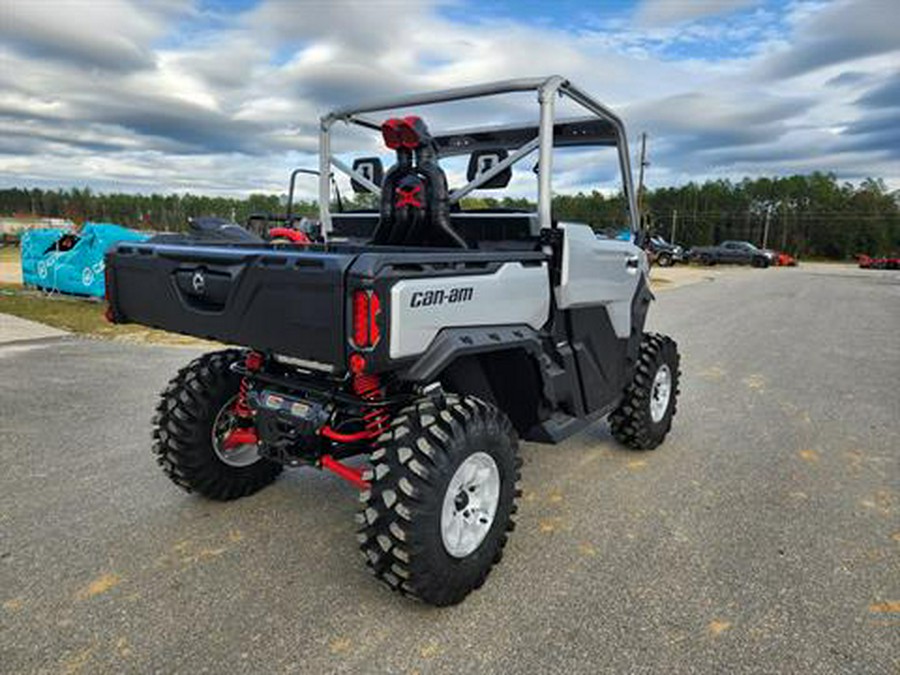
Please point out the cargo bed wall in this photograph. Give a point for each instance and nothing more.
(285, 301)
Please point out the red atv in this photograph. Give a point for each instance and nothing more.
(783, 259)
(868, 263)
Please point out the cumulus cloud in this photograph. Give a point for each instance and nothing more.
(665, 12)
(837, 33)
(884, 95)
(175, 96)
(113, 34)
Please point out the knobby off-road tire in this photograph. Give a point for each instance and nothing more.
(642, 421)
(665, 260)
(183, 431)
(401, 521)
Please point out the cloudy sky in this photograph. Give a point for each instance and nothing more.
(216, 96)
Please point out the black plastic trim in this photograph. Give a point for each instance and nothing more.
(453, 343)
(289, 301)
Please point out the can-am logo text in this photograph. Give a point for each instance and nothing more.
(440, 296)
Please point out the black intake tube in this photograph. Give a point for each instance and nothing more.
(384, 231)
(438, 197)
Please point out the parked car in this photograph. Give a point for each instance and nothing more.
(731, 252)
(663, 253)
(869, 263)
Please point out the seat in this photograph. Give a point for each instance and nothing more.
(415, 200)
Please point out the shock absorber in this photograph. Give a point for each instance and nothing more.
(376, 420)
(253, 362)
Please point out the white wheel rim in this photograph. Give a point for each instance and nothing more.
(660, 393)
(225, 422)
(470, 504)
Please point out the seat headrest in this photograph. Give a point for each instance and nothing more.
(371, 168)
(482, 161)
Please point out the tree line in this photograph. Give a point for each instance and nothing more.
(811, 215)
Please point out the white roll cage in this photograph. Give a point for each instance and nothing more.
(547, 134)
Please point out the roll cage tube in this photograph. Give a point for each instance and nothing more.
(547, 90)
(309, 172)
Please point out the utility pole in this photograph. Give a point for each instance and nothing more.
(674, 220)
(783, 228)
(766, 227)
(640, 190)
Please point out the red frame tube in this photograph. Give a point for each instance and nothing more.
(338, 437)
(348, 473)
(294, 235)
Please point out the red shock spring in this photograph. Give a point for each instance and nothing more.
(376, 420)
(252, 363)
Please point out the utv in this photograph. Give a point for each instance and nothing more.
(424, 337)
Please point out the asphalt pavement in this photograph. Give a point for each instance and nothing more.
(763, 537)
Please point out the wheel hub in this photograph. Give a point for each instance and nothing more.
(660, 393)
(470, 504)
(226, 423)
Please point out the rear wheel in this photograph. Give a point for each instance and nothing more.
(443, 490)
(644, 416)
(194, 418)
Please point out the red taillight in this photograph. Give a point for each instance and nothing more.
(361, 318)
(366, 308)
(357, 364)
(374, 311)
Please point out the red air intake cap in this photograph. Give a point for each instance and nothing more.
(408, 132)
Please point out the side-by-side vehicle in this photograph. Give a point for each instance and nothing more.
(422, 338)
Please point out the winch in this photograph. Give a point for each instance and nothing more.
(287, 424)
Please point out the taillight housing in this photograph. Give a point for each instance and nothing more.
(366, 307)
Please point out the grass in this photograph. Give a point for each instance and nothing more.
(84, 316)
(81, 316)
(9, 254)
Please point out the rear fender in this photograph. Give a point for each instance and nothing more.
(500, 364)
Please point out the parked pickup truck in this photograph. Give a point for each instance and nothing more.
(663, 253)
(731, 252)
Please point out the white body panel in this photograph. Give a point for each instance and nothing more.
(514, 294)
(597, 272)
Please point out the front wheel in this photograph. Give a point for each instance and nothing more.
(443, 491)
(644, 416)
(664, 260)
(194, 418)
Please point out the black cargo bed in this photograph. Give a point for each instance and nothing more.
(286, 300)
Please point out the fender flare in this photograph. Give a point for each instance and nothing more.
(451, 344)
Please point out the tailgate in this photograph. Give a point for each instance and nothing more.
(290, 302)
